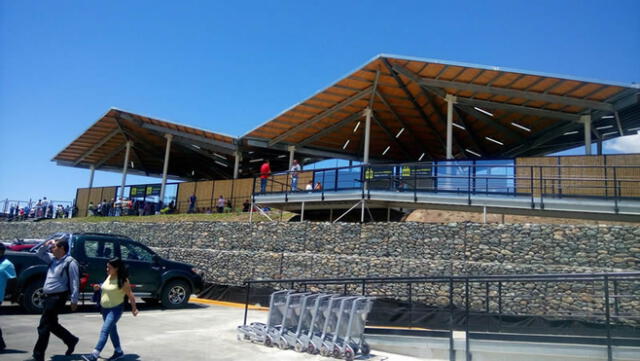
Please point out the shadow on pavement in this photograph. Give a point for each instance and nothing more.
(15, 309)
(78, 357)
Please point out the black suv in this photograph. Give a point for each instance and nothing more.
(153, 278)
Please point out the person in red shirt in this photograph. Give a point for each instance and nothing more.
(265, 172)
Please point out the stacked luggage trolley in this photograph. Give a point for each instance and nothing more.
(328, 324)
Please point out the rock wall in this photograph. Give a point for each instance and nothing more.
(230, 253)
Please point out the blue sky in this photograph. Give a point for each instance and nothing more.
(229, 67)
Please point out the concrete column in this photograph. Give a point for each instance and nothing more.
(92, 169)
(292, 152)
(236, 164)
(125, 167)
(586, 120)
(367, 135)
(165, 167)
(450, 101)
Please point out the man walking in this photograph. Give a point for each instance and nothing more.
(7, 271)
(62, 280)
(295, 171)
(265, 172)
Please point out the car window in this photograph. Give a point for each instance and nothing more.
(95, 248)
(134, 252)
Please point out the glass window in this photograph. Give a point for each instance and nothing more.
(134, 252)
(99, 248)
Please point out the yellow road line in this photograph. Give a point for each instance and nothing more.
(225, 303)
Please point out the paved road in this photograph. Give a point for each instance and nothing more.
(199, 332)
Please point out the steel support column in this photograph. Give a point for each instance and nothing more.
(125, 167)
(92, 169)
(236, 164)
(367, 135)
(165, 166)
(586, 120)
(292, 152)
(450, 101)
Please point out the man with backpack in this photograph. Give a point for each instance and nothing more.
(62, 281)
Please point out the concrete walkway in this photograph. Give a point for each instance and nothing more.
(199, 332)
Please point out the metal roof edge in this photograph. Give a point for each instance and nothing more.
(76, 138)
(513, 70)
(176, 123)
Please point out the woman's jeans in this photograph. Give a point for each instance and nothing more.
(109, 329)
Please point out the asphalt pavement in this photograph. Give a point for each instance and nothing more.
(198, 332)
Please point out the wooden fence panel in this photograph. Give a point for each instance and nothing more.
(185, 190)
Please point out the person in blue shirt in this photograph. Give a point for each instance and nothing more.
(7, 272)
(61, 282)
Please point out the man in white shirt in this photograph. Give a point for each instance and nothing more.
(295, 171)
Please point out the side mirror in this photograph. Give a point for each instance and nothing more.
(156, 259)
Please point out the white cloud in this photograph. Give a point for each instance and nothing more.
(626, 144)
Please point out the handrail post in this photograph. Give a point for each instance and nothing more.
(541, 181)
(286, 189)
(466, 319)
(469, 185)
(415, 185)
(616, 304)
(608, 317)
(410, 306)
(364, 283)
(323, 184)
(452, 351)
(533, 205)
(615, 190)
(246, 303)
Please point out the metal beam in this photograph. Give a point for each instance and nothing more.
(618, 123)
(519, 109)
(97, 145)
(165, 130)
(330, 128)
(316, 151)
(322, 115)
(404, 124)
(550, 98)
(110, 155)
(492, 122)
(391, 135)
(424, 117)
(474, 140)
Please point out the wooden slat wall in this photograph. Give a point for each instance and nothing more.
(204, 192)
(82, 201)
(241, 191)
(595, 171)
(224, 188)
(185, 190)
(108, 193)
(95, 196)
(627, 188)
(523, 183)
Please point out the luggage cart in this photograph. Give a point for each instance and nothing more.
(306, 321)
(329, 315)
(353, 341)
(319, 315)
(288, 333)
(334, 324)
(266, 333)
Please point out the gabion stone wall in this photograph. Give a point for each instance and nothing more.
(230, 253)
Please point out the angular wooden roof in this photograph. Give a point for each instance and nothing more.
(499, 112)
(195, 153)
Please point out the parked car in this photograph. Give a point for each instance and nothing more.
(153, 278)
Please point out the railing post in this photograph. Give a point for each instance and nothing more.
(466, 318)
(608, 317)
(364, 283)
(615, 191)
(246, 302)
(469, 185)
(410, 306)
(540, 180)
(452, 350)
(616, 304)
(533, 205)
(486, 292)
(415, 185)
(323, 184)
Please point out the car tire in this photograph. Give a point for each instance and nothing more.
(33, 297)
(175, 294)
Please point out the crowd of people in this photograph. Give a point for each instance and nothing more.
(41, 209)
(127, 207)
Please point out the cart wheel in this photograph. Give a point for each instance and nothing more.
(324, 351)
(238, 337)
(299, 347)
(311, 349)
(246, 337)
(268, 342)
(348, 355)
(365, 349)
(337, 353)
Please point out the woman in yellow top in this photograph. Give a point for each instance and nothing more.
(113, 291)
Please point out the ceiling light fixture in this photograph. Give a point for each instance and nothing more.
(472, 152)
(220, 163)
(256, 160)
(355, 129)
(571, 132)
(483, 111)
(607, 117)
(609, 133)
(399, 132)
(459, 126)
(219, 156)
(421, 156)
(345, 144)
(521, 127)
(386, 150)
(493, 140)
(604, 127)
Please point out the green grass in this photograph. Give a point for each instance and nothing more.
(166, 218)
